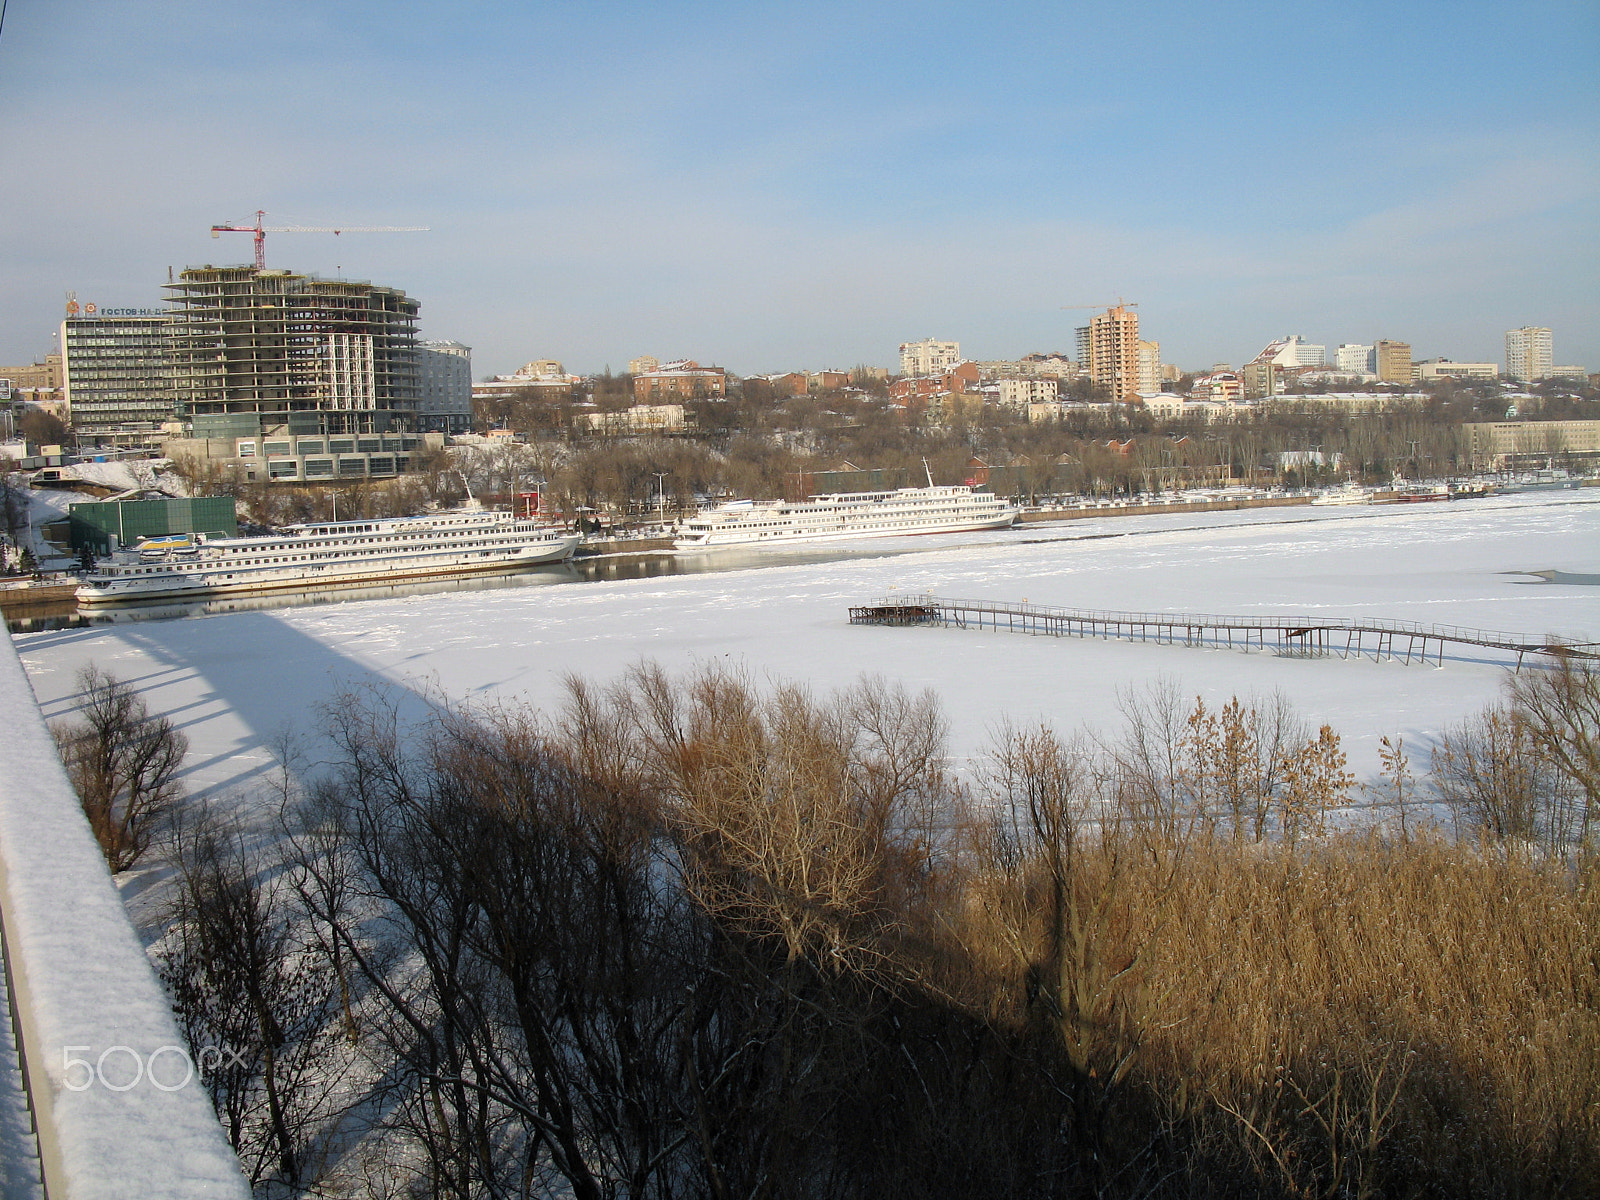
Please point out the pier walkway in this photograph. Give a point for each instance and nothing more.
(1290, 636)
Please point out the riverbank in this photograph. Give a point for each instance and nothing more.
(1143, 508)
(27, 596)
(648, 547)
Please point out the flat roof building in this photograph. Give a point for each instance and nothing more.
(116, 376)
(1149, 366)
(1443, 368)
(928, 357)
(1393, 362)
(444, 387)
(1352, 358)
(45, 375)
(1497, 444)
(1530, 354)
(1019, 394)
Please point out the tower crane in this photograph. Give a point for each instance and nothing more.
(261, 232)
(1119, 304)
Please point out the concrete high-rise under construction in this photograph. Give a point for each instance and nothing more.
(258, 351)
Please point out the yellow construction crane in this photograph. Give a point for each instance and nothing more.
(1119, 304)
(261, 232)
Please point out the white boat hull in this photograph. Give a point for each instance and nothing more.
(1344, 496)
(908, 512)
(310, 558)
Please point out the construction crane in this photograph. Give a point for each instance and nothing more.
(261, 232)
(1119, 304)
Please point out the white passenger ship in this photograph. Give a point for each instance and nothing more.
(1349, 494)
(846, 515)
(328, 554)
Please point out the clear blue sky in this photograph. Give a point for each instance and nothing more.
(773, 187)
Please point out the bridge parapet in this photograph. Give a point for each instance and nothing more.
(118, 1108)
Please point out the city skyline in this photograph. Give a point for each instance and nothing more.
(769, 190)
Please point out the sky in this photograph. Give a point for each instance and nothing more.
(798, 186)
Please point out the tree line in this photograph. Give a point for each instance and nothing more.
(691, 937)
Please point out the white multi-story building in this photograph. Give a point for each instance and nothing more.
(1443, 368)
(1291, 351)
(1019, 393)
(928, 357)
(1149, 366)
(641, 418)
(1353, 359)
(1529, 354)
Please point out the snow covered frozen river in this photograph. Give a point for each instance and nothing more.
(232, 681)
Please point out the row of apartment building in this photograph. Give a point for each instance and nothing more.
(1109, 348)
(241, 354)
(1529, 358)
(1112, 355)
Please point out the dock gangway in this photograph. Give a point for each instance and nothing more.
(1302, 636)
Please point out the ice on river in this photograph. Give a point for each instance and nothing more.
(232, 681)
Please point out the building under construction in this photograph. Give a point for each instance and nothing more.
(1114, 352)
(256, 351)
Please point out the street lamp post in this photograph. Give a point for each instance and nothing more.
(661, 500)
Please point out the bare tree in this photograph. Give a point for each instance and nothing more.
(124, 764)
(539, 1014)
(1497, 777)
(253, 999)
(1151, 781)
(1561, 709)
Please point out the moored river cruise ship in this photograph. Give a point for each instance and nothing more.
(846, 515)
(328, 554)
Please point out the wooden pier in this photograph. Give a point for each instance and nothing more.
(1286, 636)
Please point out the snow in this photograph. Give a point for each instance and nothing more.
(233, 681)
(19, 1151)
(88, 993)
(54, 504)
(145, 474)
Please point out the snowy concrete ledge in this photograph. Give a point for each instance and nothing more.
(120, 1108)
